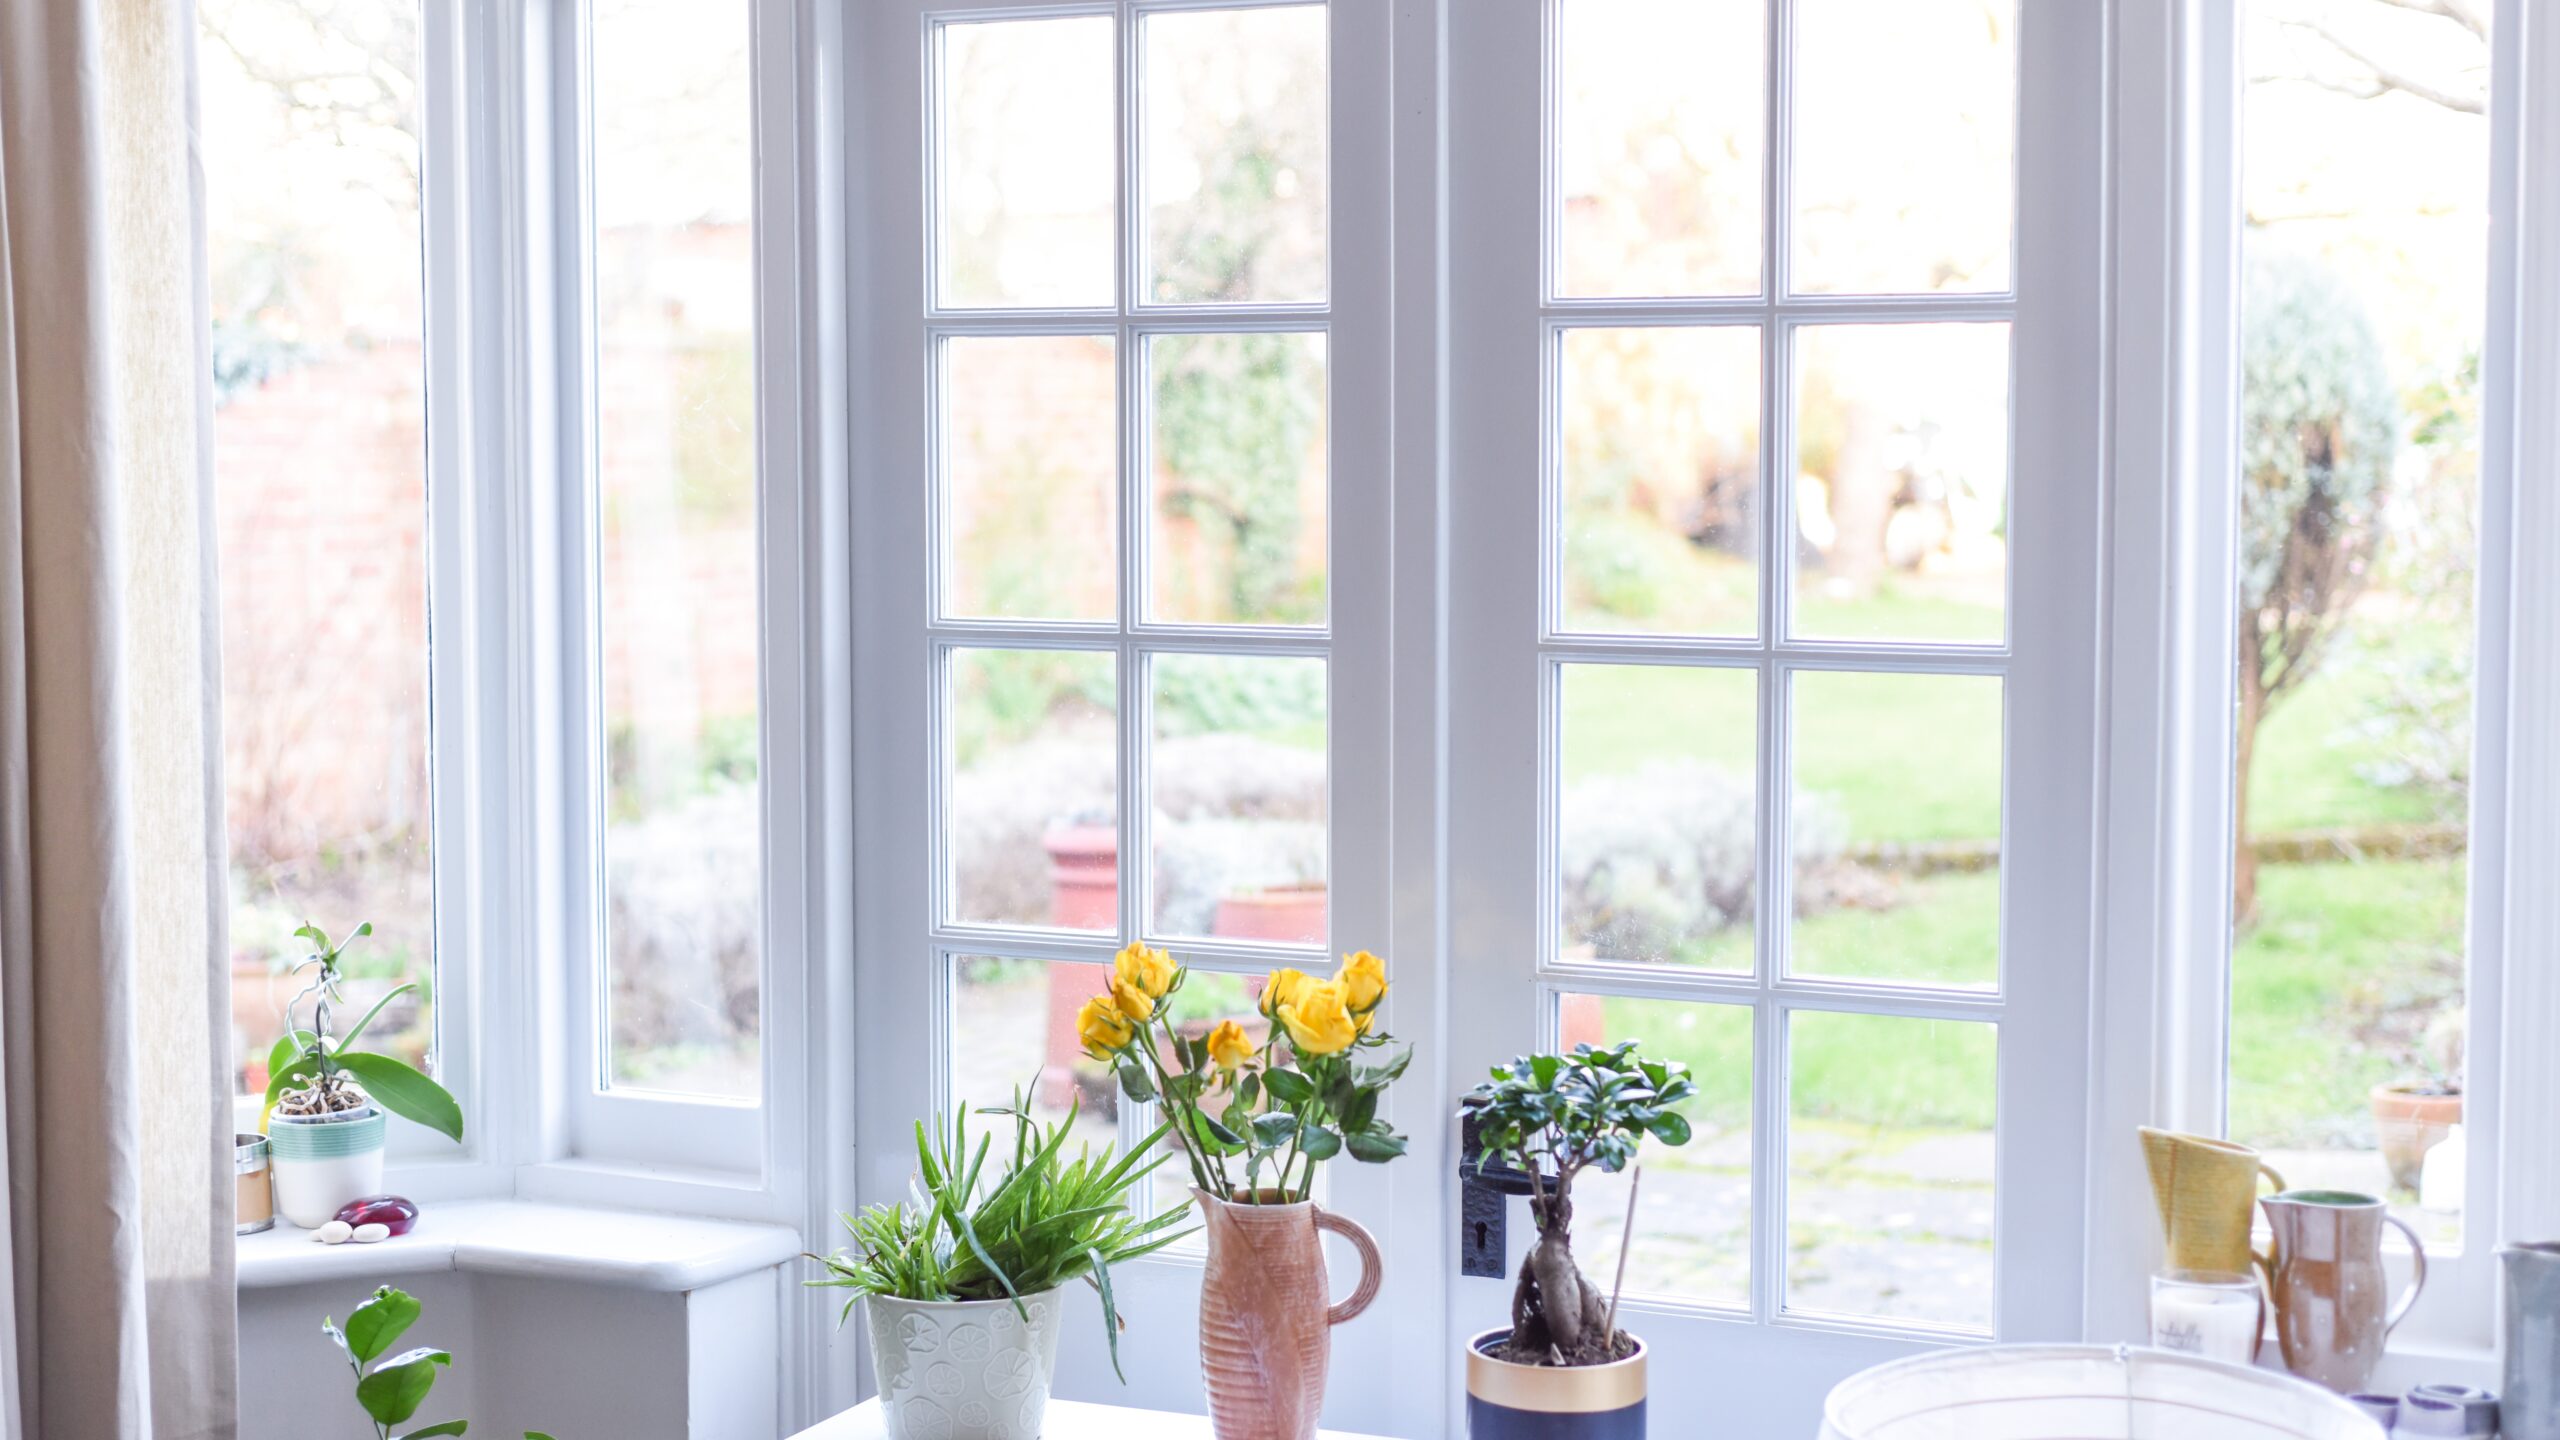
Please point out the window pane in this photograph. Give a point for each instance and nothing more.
(1013, 1028)
(1905, 118)
(1031, 819)
(1029, 152)
(1031, 429)
(1902, 500)
(1238, 792)
(1660, 122)
(1889, 1166)
(1897, 828)
(1659, 825)
(2364, 285)
(1235, 154)
(675, 428)
(1693, 1210)
(1236, 533)
(320, 467)
(1662, 480)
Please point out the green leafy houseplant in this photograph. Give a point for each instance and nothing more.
(314, 1071)
(1044, 1221)
(1556, 1116)
(391, 1389)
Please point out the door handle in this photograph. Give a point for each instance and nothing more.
(1485, 1188)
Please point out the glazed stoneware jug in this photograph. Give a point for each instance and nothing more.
(2529, 1402)
(1266, 1327)
(2207, 1191)
(2324, 1273)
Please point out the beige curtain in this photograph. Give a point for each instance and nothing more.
(116, 1315)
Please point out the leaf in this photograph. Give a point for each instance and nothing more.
(1545, 1068)
(404, 1092)
(1110, 1311)
(398, 1386)
(1362, 1109)
(1249, 1089)
(297, 1073)
(358, 1028)
(1320, 1142)
(1375, 1147)
(1133, 1080)
(286, 1047)
(449, 1427)
(379, 1322)
(1289, 1087)
(1274, 1130)
(1671, 1128)
(337, 1337)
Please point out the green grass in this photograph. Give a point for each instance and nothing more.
(2346, 964)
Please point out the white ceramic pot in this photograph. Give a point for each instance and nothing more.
(964, 1369)
(322, 1163)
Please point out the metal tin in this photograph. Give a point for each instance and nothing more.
(253, 1199)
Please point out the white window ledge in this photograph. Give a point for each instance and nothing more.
(627, 1248)
(1065, 1420)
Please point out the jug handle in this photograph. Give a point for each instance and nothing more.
(2270, 1172)
(2417, 1274)
(1367, 1290)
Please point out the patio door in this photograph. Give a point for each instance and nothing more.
(1775, 477)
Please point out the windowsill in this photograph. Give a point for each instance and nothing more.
(1066, 1420)
(626, 1248)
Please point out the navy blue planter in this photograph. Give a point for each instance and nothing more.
(1540, 1402)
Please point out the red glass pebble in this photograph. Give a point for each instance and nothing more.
(396, 1213)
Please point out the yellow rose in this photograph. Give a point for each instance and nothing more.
(1132, 1002)
(1148, 971)
(1102, 1027)
(1282, 988)
(1229, 1046)
(1363, 980)
(1320, 1020)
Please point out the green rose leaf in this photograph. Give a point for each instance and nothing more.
(1274, 1130)
(1289, 1087)
(1319, 1142)
(1375, 1147)
(1133, 1080)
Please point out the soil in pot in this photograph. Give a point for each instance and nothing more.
(1509, 1401)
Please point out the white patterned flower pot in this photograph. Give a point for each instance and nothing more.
(964, 1369)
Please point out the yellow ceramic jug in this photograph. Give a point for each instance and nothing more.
(2207, 1190)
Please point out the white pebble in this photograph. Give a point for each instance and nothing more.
(336, 1232)
(367, 1234)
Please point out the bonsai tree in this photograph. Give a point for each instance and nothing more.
(1044, 1221)
(392, 1387)
(1556, 1116)
(315, 1071)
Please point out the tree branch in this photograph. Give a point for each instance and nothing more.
(2382, 78)
(2460, 12)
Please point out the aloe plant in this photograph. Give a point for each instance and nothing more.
(323, 1070)
(1044, 1221)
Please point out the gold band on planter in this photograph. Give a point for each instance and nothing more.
(1553, 1389)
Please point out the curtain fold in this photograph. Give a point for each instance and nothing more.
(117, 1314)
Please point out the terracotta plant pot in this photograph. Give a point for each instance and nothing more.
(964, 1369)
(1266, 1327)
(2409, 1124)
(1552, 1402)
(1287, 914)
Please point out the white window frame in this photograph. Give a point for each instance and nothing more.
(901, 641)
(2163, 1016)
(1504, 642)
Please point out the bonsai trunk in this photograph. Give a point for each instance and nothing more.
(1557, 1316)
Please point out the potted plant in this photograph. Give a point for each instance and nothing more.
(390, 1388)
(961, 1285)
(327, 1102)
(1253, 1119)
(2415, 1113)
(1562, 1369)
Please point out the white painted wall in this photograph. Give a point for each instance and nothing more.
(578, 1360)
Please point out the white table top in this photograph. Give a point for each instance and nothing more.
(1067, 1420)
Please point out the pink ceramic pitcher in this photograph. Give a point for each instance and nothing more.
(2324, 1273)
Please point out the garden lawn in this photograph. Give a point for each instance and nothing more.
(2380, 938)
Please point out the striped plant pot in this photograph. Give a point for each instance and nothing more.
(1552, 1402)
(321, 1164)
